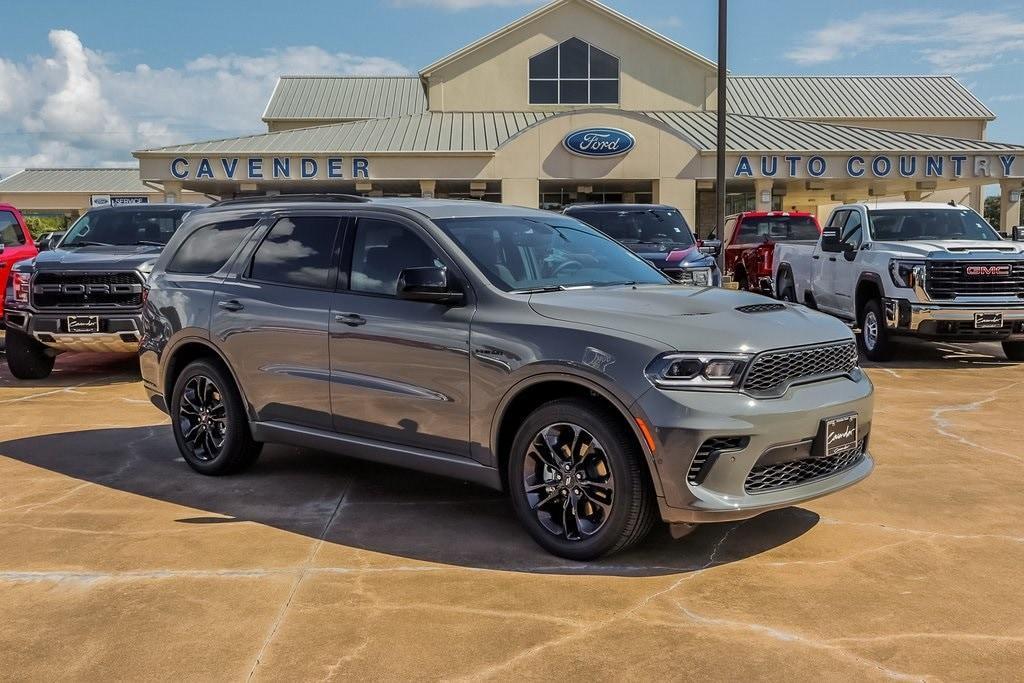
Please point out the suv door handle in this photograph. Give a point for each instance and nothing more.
(815, 257)
(350, 319)
(231, 305)
(831, 258)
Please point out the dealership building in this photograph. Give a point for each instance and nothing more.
(577, 102)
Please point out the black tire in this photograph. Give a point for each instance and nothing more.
(618, 465)
(787, 290)
(875, 340)
(1014, 350)
(27, 358)
(740, 276)
(226, 424)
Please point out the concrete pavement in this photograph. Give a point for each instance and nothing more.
(118, 562)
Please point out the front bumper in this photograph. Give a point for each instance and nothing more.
(774, 431)
(952, 322)
(119, 332)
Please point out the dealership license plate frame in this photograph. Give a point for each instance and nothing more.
(826, 445)
(83, 324)
(988, 321)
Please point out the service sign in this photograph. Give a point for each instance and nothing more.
(129, 200)
(599, 142)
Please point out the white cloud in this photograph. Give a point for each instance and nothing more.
(78, 107)
(960, 43)
(458, 5)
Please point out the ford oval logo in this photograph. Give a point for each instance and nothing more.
(599, 142)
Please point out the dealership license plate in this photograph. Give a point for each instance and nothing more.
(840, 434)
(83, 324)
(988, 321)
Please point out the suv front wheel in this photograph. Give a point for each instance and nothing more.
(209, 421)
(577, 480)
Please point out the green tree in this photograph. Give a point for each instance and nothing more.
(992, 211)
(40, 225)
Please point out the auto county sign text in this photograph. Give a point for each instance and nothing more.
(948, 166)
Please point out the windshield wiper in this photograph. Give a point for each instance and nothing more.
(540, 290)
(86, 243)
(149, 243)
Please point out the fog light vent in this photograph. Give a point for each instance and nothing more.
(708, 453)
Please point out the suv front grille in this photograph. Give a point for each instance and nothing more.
(697, 472)
(772, 372)
(948, 280)
(87, 290)
(765, 478)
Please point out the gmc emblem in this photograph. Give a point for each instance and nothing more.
(87, 290)
(988, 270)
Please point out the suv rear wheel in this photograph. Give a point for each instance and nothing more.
(28, 358)
(209, 421)
(874, 335)
(577, 481)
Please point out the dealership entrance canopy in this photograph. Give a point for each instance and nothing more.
(576, 102)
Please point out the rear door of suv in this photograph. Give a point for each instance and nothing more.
(272, 319)
(399, 368)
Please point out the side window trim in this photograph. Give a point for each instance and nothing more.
(246, 272)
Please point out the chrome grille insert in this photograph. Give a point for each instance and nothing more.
(950, 279)
(765, 478)
(772, 372)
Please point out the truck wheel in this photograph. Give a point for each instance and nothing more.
(577, 480)
(27, 358)
(209, 421)
(787, 291)
(1014, 350)
(874, 335)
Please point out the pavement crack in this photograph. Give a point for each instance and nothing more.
(946, 427)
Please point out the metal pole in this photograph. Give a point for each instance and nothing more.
(720, 171)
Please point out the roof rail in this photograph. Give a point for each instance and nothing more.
(270, 198)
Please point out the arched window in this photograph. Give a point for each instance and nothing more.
(574, 72)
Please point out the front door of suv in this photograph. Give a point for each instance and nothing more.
(399, 369)
(272, 320)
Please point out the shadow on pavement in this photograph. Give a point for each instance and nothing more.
(73, 369)
(382, 509)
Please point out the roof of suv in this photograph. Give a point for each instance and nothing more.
(617, 207)
(150, 207)
(431, 208)
(910, 205)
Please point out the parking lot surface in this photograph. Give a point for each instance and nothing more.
(118, 562)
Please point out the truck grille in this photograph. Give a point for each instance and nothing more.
(948, 280)
(765, 478)
(772, 372)
(87, 290)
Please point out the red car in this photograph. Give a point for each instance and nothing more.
(750, 239)
(15, 245)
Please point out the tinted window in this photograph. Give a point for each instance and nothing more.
(633, 226)
(573, 56)
(777, 228)
(574, 72)
(298, 251)
(853, 231)
(382, 250)
(545, 65)
(898, 225)
(122, 227)
(838, 219)
(10, 230)
(522, 253)
(207, 249)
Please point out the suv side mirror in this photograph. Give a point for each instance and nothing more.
(428, 283)
(710, 246)
(44, 243)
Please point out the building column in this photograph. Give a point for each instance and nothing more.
(427, 188)
(1010, 190)
(172, 191)
(521, 192)
(975, 200)
(912, 195)
(680, 193)
(763, 190)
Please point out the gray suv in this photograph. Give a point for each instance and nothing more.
(515, 348)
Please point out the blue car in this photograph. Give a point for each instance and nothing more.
(658, 233)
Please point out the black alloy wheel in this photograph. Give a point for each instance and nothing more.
(203, 418)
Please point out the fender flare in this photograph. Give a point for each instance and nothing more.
(873, 278)
(172, 350)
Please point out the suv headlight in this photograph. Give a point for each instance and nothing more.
(699, 277)
(906, 274)
(698, 370)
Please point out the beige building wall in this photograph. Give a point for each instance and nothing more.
(79, 201)
(494, 77)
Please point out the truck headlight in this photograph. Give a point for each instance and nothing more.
(906, 274)
(698, 277)
(20, 285)
(698, 370)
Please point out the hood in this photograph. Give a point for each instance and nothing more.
(979, 249)
(691, 318)
(98, 258)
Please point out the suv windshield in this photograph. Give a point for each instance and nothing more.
(777, 229)
(527, 253)
(901, 225)
(631, 226)
(123, 228)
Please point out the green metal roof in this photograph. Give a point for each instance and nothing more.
(851, 97)
(483, 132)
(93, 180)
(308, 98)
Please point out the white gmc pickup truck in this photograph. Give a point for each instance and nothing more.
(936, 271)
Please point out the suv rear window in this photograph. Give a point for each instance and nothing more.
(10, 230)
(777, 229)
(632, 226)
(298, 250)
(207, 249)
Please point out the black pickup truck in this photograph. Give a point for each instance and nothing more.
(86, 294)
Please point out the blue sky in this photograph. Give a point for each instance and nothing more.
(87, 82)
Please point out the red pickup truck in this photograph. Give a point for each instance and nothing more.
(750, 239)
(15, 245)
